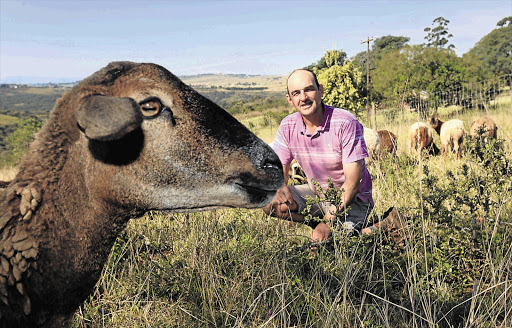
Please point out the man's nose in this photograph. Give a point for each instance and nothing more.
(302, 95)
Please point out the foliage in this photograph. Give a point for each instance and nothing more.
(341, 86)
(415, 69)
(495, 51)
(339, 57)
(379, 48)
(507, 21)
(438, 36)
(18, 142)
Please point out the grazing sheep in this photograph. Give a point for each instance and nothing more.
(128, 139)
(388, 143)
(483, 128)
(371, 138)
(451, 134)
(420, 137)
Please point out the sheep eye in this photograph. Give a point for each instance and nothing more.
(150, 108)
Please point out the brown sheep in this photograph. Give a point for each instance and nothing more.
(420, 137)
(388, 143)
(451, 134)
(483, 128)
(128, 139)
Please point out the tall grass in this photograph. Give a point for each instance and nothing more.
(240, 268)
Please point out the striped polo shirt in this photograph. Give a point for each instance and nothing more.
(338, 139)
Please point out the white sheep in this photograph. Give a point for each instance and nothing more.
(372, 140)
(451, 134)
(128, 139)
(420, 137)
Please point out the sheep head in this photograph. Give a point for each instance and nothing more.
(169, 146)
(434, 121)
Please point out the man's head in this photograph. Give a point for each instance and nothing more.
(304, 92)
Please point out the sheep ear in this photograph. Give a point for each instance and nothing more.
(107, 118)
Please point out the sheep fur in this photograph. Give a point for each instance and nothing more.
(451, 133)
(483, 128)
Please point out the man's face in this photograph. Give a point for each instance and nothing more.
(303, 94)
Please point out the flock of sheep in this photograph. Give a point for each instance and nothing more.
(451, 134)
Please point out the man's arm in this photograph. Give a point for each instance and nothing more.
(353, 173)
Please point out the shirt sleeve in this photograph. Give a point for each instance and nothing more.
(352, 141)
(281, 147)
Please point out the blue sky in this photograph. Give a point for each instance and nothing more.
(51, 40)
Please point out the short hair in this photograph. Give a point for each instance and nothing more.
(315, 79)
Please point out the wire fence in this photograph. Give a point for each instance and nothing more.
(493, 93)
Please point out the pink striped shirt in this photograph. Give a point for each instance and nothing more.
(338, 139)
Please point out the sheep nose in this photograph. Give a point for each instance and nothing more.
(271, 165)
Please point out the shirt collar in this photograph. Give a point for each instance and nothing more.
(323, 125)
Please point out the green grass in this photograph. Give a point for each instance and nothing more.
(8, 120)
(240, 268)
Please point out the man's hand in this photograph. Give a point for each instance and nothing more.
(321, 232)
(285, 200)
(282, 204)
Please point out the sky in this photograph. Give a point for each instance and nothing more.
(55, 41)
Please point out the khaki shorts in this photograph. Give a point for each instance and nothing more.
(354, 217)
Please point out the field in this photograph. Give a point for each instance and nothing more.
(240, 268)
(271, 83)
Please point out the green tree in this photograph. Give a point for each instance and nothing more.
(439, 35)
(342, 86)
(18, 142)
(506, 20)
(380, 47)
(494, 50)
(416, 69)
(339, 56)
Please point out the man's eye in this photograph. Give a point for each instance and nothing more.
(150, 108)
(295, 94)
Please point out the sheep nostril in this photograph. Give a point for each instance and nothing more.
(268, 166)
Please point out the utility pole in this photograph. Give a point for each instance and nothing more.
(368, 114)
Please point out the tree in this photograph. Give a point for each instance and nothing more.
(386, 44)
(342, 86)
(438, 36)
(495, 50)
(419, 69)
(18, 142)
(380, 47)
(506, 20)
(339, 55)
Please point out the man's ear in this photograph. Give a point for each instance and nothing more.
(105, 118)
(289, 99)
(321, 90)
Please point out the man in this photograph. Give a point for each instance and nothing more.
(327, 142)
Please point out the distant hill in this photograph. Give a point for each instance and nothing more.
(272, 83)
